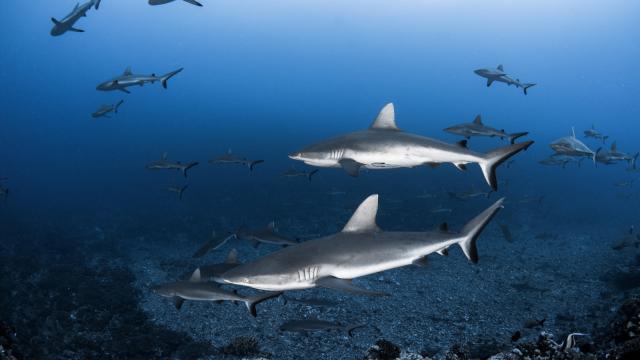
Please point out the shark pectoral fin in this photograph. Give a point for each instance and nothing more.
(489, 82)
(76, 30)
(422, 262)
(193, 2)
(350, 166)
(460, 166)
(178, 301)
(124, 90)
(346, 285)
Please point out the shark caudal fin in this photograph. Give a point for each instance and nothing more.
(632, 162)
(492, 159)
(254, 163)
(526, 86)
(166, 77)
(472, 230)
(514, 136)
(115, 109)
(252, 301)
(193, 2)
(311, 173)
(189, 166)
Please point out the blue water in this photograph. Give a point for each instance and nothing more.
(265, 78)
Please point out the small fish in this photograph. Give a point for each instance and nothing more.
(533, 323)
(309, 325)
(178, 190)
(570, 342)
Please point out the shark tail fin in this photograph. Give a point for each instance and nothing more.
(472, 230)
(182, 189)
(252, 301)
(514, 136)
(189, 166)
(117, 106)
(526, 86)
(254, 163)
(492, 159)
(168, 76)
(193, 2)
(311, 173)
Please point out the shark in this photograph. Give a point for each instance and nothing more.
(128, 79)
(499, 75)
(178, 190)
(593, 133)
(215, 243)
(196, 289)
(164, 163)
(66, 24)
(105, 110)
(268, 235)
(384, 146)
(213, 272)
(477, 128)
(162, 2)
(616, 155)
(560, 160)
(230, 158)
(360, 249)
(292, 172)
(571, 146)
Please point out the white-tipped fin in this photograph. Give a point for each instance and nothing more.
(472, 230)
(386, 119)
(364, 218)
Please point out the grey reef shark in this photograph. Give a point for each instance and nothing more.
(384, 146)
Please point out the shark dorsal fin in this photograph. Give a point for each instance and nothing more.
(195, 277)
(478, 120)
(500, 67)
(386, 119)
(364, 218)
(573, 132)
(229, 152)
(232, 257)
(614, 147)
(127, 71)
(164, 156)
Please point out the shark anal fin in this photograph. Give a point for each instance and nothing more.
(346, 285)
(350, 166)
(422, 262)
(178, 301)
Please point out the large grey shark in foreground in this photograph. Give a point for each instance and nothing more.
(164, 163)
(195, 289)
(62, 26)
(571, 146)
(499, 75)
(162, 2)
(384, 146)
(128, 78)
(360, 249)
(477, 128)
(105, 110)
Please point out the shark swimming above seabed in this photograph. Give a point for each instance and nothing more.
(613, 156)
(360, 249)
(230, 158)
(571, 146)
(162, 2)
(66, 24)
(477, 128)
(128, 78)
(105, 110)
(195, 289)
(593, 133)
(499, 75)
(164, 163)
(384, 146)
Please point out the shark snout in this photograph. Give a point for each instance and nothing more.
(295, 155)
